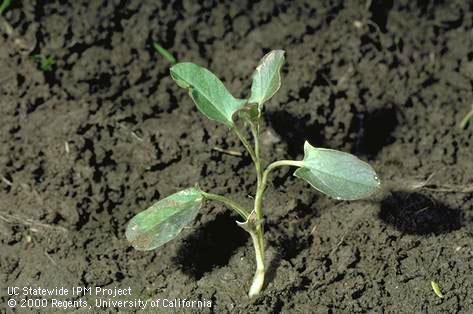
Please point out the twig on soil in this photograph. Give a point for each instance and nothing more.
(136, 136)
(228, 151)
(420, 184)
(12, 219)
(7, 182)
(339, 242)
(448, 188)
(133, 133)
(313, 229)
(50, 258)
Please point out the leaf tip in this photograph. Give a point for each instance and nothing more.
(307, 147)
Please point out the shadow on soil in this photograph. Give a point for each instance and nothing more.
(210, 246)
(295, 131)
(415, 213)
(376, 127)
(289, 245)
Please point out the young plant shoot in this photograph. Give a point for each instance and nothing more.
(337, 174)
(45, 62)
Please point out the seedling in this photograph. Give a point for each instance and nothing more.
(45, 62)
(337, 174)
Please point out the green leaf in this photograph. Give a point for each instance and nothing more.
(337, 174)
(4, 6)
(164, 220)
(207, 91)
(267, 77)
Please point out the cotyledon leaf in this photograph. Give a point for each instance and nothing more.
(164, 220)
(207, 91)
(267, 77)
(337, 174)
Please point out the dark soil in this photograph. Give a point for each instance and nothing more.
(106, 133)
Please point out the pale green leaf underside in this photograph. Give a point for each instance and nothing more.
(164, 220)
(337, 174)
(207, 91)
(267, 77)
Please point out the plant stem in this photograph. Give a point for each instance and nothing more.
(233, 205)
(254, 224)
(280, 163)
(258, 279)
(258, 234)
(259, 176)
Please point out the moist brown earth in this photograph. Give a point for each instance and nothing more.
(106, 132)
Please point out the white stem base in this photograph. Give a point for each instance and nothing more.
(257, 284)
(258, 279)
